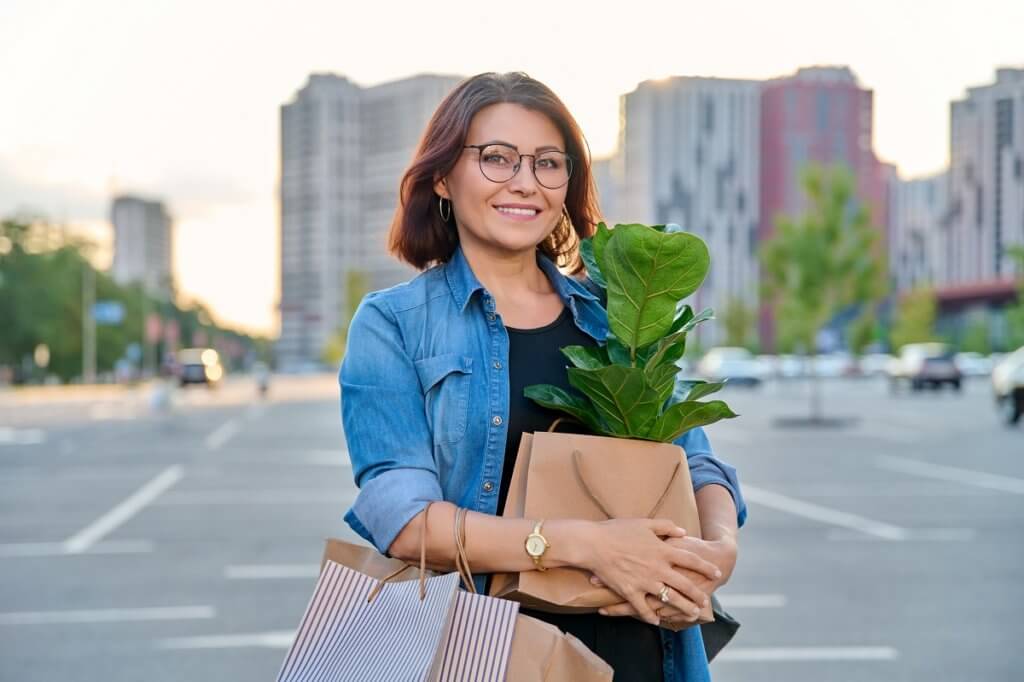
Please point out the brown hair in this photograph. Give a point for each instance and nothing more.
(418, 234)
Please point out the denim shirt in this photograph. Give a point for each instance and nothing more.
(424, 405)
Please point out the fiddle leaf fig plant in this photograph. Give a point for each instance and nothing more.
(629, 386)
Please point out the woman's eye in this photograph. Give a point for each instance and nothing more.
(496, 159)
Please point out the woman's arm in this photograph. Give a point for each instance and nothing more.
(629, 555)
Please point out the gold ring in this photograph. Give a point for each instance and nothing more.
(663, 594)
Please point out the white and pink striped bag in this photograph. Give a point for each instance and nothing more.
(357, 629)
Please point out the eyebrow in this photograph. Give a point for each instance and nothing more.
(545, 148)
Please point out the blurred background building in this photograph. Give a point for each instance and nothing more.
(142, 245)
(689, 153)
(343, 152)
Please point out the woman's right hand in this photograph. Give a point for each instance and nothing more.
(630, 558)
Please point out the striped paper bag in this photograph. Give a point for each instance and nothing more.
(448, 635)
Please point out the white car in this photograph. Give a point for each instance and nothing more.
(735, 364)
(875, 364)
(1008, 386)
(973, 364)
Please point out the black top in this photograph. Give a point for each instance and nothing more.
(631, 647)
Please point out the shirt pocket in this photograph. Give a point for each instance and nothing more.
(445, 380)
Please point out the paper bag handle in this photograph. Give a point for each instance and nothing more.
(576, 455)
(423, 564)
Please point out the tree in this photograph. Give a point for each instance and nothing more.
(739, 320)
(356, 287)
(822, 262)
(915, 319)
(1015, 313)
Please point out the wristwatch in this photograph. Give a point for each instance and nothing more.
(536, 545)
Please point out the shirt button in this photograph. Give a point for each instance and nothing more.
(488, 486)
(497, 364)
(490, 316)
(496, 420)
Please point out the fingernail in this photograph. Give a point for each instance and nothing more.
(718, 573)
(705, 601)
(603, 612)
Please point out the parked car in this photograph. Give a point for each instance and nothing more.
(729, 362)
(833, 365)
(199, 366)
(1008, 386)
(973, 364)
(925, 364)
(875, 364)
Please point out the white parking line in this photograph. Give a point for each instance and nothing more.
(11, 436)
(821, 514)
(221, 435)
(979, 479)
(252, 497)
(95, 531)
(271, 571)
(822, 653)
(35, 549)
(752, 601)
(278, 639)
(108, 615)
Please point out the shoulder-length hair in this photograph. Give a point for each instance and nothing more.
(418, 234)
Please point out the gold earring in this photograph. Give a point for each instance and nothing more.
(441, 207)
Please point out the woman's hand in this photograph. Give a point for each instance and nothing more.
(722, 553)
(630, 557)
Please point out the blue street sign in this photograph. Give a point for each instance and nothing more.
(108, 312)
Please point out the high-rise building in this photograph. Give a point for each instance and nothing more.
(689, 153)
(820, 114)
(142, 244)
(343, 151)
(917, 210)
(986, 181)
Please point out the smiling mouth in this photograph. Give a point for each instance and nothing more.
(520, 212)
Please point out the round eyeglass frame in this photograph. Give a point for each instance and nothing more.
(533, 164)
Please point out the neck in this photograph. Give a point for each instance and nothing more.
(508, 275)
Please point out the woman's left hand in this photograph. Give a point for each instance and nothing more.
(722, 553)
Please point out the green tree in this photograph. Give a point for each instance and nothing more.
(1015, 313)
(356, 287)
(822, 262)
(739, 320)
(915, 319)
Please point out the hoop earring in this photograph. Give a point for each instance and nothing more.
(441, 207)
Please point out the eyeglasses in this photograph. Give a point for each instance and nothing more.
(500, 163)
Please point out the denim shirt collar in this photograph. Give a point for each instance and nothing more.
(463, 283)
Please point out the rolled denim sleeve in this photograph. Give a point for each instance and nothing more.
(386, 430)
(705, 468)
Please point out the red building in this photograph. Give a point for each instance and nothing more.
(820, 114)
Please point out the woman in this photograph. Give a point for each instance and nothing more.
(498, 195)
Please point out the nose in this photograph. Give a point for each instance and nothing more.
(524, 182)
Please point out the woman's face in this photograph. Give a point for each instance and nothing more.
(482, 207)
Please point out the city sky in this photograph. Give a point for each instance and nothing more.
(178, 100)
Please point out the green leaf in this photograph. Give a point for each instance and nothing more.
(681, 417)
(704, 388)
(684, 313)
(586, 357)
(600, 241)
(590, 260)
(557, 398)
(617, 352)
(621, 396)
(648, 273)
(704, 316)
(662, 380)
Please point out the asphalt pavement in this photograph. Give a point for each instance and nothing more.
(169, 537)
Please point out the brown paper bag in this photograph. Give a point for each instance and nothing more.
(540, 651)
(576, 476)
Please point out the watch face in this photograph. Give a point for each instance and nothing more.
(534, 546)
